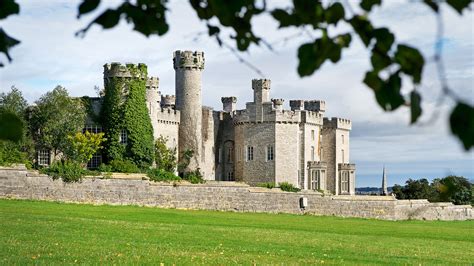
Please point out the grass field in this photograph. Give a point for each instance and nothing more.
(55, 233)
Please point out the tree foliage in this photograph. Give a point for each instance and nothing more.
(392, 62)
(55, 117)
(454, 189)
(15, 143)
(82, 146)
(165, 158)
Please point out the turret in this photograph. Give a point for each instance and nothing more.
(188, 66)
(278, 104)
(316, 106)
(229, 103)
(261, 90)
(168, 101)
(152, 94)
(296, 105)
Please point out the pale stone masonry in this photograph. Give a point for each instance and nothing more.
(221, 196)
(265, 142)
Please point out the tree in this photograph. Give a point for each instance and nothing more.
(82, 146)
(456, 189)
(13, 102)
(16, 143)
(392, 62)
(415, 189)
(165, 158)
(55, 117)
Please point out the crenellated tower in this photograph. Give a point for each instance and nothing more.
(188, 67)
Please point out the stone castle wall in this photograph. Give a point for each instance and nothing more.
(222, 196)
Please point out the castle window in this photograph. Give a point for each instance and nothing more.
(342, 137)
(95, 161)
(123, 137)
(92, 129)
(270, 153)
(342, 153)
(250, 153)
(229, 154)
(344, 181)
(44, 157)
(219, 155)
(315, 182)
(230, 176)
(312, 153)
(312, 134)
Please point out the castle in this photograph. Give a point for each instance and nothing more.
(262, 143)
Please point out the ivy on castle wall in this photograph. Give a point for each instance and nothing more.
(124, 107)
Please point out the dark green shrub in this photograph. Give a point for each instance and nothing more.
(157, 175)
(285, 186)
(267, 185)
(194, 177)
(66, 170)
(124, 166)
(11, 153)
(104, 168)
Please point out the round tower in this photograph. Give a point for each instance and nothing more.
(188, 66)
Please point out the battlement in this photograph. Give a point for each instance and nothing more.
(117, 70)
(346, 166)
(317, 165)
(278, 104)
(315, 105)
(261, 84)
(337, 123)
(168, 101)
(168, 116)
(188, 60)
(296, 105)
(229, 103)
(312, 117)
(152, 83)
(231, 99)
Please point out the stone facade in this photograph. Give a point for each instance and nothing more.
(262, 143)
(222, 196)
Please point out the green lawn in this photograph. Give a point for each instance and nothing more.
(46, 233)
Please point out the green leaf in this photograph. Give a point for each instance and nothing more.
(432, 4)
(307, 57)
(368, 4)
(363, 27)
(462, 124)
(411, 61)
(387, 93)
(108, 19)
(415, 106)
(6, 42)
(384, 39)
(11, 127)
(283, 17)
(87, 6)
(373, 81)
(334, 13)
(380, 60)
(459, 5)
(8, 7)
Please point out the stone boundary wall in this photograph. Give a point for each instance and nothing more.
(222, 196)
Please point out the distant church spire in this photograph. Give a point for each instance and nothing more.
(384, 182)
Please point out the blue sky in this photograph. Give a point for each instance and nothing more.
(51, 55)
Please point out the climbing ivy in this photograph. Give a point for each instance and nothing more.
(124, 107)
